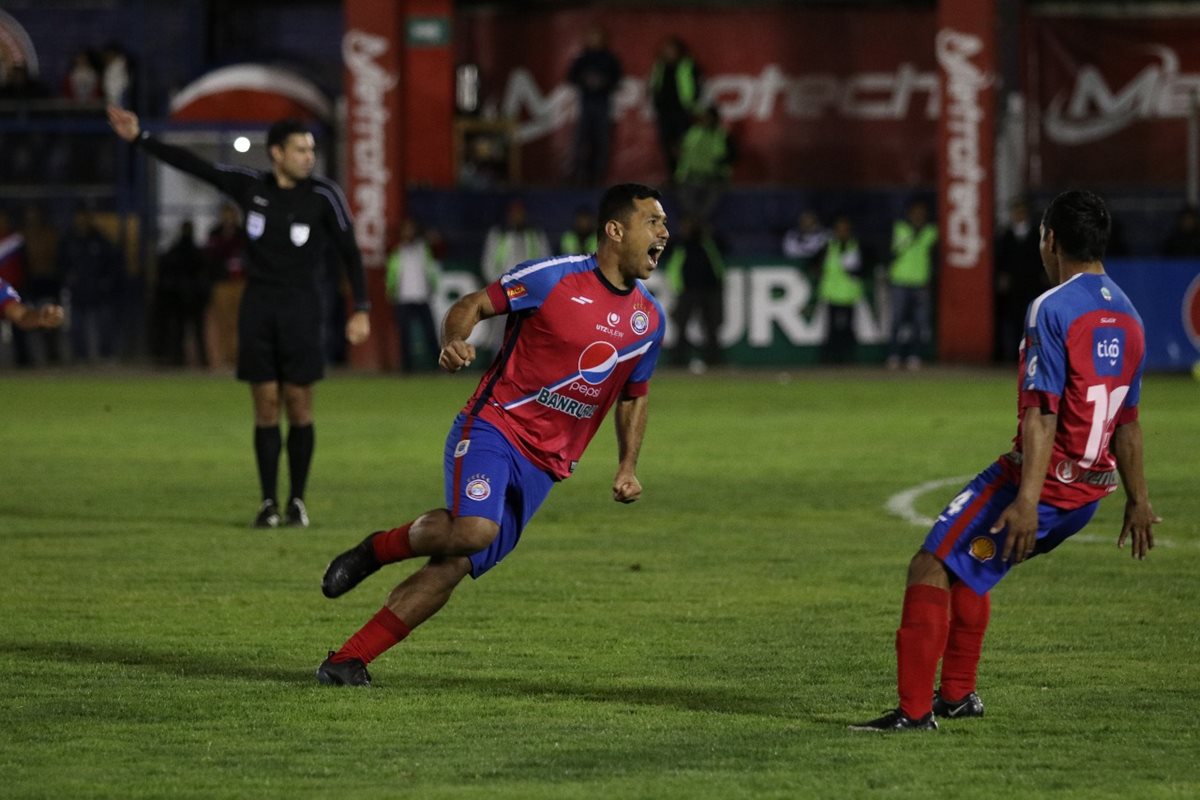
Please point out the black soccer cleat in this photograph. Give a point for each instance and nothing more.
(297, 513)
(969, 706)
(343, 673)
(350, 568)
(268, 515)
(897, 720)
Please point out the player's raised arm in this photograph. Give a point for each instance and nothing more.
(1139, 515)
(460, 320)
(630, 419)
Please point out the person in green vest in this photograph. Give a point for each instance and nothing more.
(909, 276)
(839, 289)
(412, 279)
(581, 237)
(675, 94)
(506, 245)
(695, 271)
(705, 165)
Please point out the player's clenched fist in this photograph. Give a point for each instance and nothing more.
(456, 355)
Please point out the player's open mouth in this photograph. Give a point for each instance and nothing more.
(655, 253)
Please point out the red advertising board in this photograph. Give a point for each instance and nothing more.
(1113, 96)
(815, 97)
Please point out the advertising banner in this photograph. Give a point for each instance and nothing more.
(819, 97)
(1113, 96)
(966, 54)
(1166, 294)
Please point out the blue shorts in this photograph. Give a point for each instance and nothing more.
(960, 537)
(486, 476)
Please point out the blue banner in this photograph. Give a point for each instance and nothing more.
(1167, 295)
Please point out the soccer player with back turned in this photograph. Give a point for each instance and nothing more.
(291, 215)
(1079, 385)
(582, 334)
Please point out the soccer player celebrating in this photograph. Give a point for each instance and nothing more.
(291, 217)
(27, 317)
(582, 334)
(1080, 381)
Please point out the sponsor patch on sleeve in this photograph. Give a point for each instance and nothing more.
(515, 290)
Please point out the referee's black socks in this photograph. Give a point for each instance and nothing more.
(300, 442)
(267, 444)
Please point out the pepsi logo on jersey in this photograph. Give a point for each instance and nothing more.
(597, 362)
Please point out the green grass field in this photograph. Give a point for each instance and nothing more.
(711, 640)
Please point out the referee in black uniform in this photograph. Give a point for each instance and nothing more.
(290, 218)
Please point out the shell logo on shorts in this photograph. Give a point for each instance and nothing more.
(983, 548)
(478, 488)
(597, 361)
(640, 322)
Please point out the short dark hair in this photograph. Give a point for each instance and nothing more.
(279, 132)
(1081, 224)
(618, 203)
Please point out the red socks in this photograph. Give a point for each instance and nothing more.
(392, 545)
(382, 631)
(920, 641)
(969, 614)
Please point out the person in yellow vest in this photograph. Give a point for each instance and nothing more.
(913, 241)
(412, 279)
(507, 244)
(675, 93)
(839, 290)
(581, 237)
(705, 165)
(695, 270)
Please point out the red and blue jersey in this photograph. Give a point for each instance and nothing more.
(1081, 358)
(8, 294)
(573, 344)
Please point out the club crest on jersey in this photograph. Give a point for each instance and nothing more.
(1108, 346)
(640, 322)
(299, 233)
(983, 548)
(461, 448)
(479, 488)
(1066, 471)
(597, 362)
(256, 223)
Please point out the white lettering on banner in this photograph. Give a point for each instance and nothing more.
(766, 306)
(858, 96)
(964, 163)
(369, 145)
(1094, 111)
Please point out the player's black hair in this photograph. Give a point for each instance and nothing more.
(279, 132)
(618, 203)
(1081, 224)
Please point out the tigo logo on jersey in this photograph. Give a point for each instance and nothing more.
(478, 488)
(983, 548)
(1108, 345)
(640, 322)
(597, 361)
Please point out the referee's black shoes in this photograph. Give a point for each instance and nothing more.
(897, 720)
(268, 515)
(343, 673)
(297, 513)
(969, 706)
(350, 568)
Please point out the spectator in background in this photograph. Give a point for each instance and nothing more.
(1184, 239)
(182, 294)
(674, 92)
(596, 73)
(92, 272)
(695, 269)
(581, 237)
(82, 82)
(116, 76)
(909, 276)
(412, 279)
(705, 164)
(840, 289)
(803, 242)
(12, 272)
(1019, 278)
(45, 286)
(226, 243)
(511, 243)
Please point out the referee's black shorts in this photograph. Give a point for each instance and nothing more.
(279, 335)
